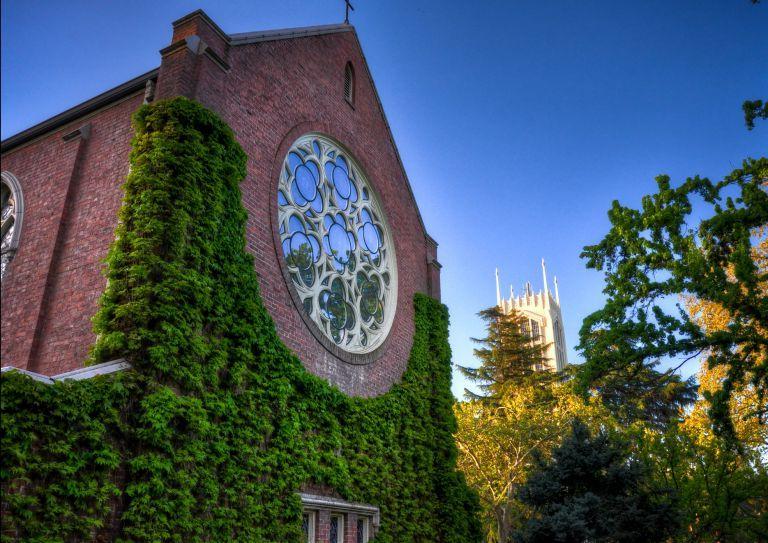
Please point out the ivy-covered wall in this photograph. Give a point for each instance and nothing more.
(218, 425)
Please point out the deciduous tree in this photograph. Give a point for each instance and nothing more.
(497, 442)
(697, 239)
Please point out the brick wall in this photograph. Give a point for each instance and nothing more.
(270, 93)
(72, 195)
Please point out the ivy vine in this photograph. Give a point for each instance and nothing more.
(218, 425)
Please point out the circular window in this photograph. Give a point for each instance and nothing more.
(337, 245)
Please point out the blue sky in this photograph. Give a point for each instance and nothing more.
(518, 122)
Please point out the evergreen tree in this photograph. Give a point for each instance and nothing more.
(592, 490)
(508, 355)
(497, 441)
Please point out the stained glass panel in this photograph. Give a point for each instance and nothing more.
(336, 244)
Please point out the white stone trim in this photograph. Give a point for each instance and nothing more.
(336, 505)
(17, 218)
(31, 374)
(87, 372)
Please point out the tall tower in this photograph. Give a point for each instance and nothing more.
(545, 321)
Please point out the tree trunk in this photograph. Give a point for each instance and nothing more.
(503, 528)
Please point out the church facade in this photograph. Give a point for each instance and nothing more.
(276, 90)
(342, 257)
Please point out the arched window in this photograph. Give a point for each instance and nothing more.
(12, 215)
(349, 83)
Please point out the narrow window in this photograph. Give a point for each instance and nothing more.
(349, 83)
(535, 331)
(12, 214)
(362, 530)
(526, 328)
(308, 526)
(336, 533)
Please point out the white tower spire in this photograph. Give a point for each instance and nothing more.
(546, 286)
(557, 294)
(498, 289)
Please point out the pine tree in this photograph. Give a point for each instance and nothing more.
(592, 490)
(508, 355)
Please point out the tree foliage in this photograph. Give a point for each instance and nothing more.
(498, 442)
(644, 394)
(753, 110)
(723, 489)
(508, 355)
(722, 493)
(593, 490)
(654, 254)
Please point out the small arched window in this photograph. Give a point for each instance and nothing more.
(12, 215)
(349, 83)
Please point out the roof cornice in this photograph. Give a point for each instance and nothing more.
(79, 111)
(245, 38)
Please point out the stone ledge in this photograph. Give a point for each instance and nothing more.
(315, 501)
(88, 372)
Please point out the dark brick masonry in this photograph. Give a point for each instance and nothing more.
(270, 88)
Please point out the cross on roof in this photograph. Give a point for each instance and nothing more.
(348, 7)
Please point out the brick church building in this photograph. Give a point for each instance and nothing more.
(70, 168)
(303, 106)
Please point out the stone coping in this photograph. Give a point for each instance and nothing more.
(79, 374)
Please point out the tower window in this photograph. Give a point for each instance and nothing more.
(531, 328)
(349, 83)
(535, 330)
(525, 328)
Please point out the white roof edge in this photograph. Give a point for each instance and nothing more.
(245, 38)
(87, 372)
(32, 374)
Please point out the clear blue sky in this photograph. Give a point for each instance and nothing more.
(518, 121)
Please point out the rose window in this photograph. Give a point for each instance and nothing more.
(337, 247)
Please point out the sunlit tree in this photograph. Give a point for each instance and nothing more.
(722, 484)
(498, 440)
(664, 250)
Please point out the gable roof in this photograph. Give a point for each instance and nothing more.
(136, 84)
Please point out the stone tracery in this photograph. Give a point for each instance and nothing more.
(336, 244)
